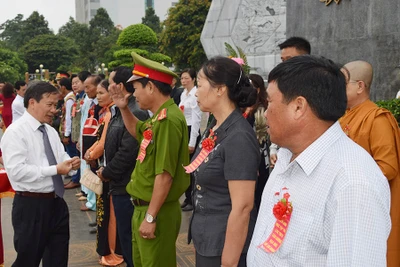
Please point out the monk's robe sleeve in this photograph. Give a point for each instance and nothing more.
(383, 146)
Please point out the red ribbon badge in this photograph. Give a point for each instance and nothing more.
(282, 211)
(148, 135)
(207, 145)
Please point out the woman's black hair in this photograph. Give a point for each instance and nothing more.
(191, 72)
(104, 83)
(258, 82)
(224, 71)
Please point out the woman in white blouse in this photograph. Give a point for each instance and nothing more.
(192, 113)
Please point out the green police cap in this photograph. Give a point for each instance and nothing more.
(146, 68)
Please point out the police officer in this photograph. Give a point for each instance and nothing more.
(159, 178)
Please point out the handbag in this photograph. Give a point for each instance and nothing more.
(92, 181)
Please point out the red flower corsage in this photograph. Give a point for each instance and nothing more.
(209, 143)
(148, 134)
(283, 209)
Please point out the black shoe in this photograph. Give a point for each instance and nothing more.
(93, 230)
(184, 204)
(188, 207)
(93, 224)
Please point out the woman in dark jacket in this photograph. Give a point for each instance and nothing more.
(225, 167)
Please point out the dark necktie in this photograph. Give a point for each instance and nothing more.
(57, 179)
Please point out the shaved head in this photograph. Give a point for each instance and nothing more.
(360, 71)
(359, 78)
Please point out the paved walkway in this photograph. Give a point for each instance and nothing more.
(82, 244)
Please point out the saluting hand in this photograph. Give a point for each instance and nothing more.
(118, 96)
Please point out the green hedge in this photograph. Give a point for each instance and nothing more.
(137, 35)
(160, 58)
(393, 106)
(127, 53)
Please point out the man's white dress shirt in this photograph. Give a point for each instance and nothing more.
(192, 113)
(17, 108)
(24, 157)
(341, 204)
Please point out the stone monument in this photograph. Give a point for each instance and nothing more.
(256, 26)
(342, 30)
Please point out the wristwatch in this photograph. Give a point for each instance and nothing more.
(149, 218)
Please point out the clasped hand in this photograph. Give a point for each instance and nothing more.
(65, 167)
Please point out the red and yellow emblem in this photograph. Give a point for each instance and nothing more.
(282, 211)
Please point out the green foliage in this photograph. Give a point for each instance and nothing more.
(160, 58)
(181, 35)
(101, 24)
(230, 50)
(137, 35)
(152, 20)
(232, 53)
(50, 50)
(76, 31)
(127, 53)
(12, 67)
(96, 42)
(17, 32)
(393, 106)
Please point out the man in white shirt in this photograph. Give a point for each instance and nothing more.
(340, 200)
(17, 106)
(34, 159)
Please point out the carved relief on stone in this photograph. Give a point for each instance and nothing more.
(328, 2)
(257, 22)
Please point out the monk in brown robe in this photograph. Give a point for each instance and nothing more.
(377, 131)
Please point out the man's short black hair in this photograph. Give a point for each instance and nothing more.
(83, 75)
(19, 84)
(122, 75)
(299, 43)
(37, 89)
(318, 80)
(66, 82)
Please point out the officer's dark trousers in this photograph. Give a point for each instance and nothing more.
(41, 230)
(202, 261)
(123, 210)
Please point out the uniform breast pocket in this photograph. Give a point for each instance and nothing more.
(296, 241)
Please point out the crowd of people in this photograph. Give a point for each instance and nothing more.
(304, 172)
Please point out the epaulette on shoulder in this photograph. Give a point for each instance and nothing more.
(163, 114)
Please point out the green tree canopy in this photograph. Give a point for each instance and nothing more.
(101, 24)
(96, 42)
(137, 36)
(76, 31)
(12, 67)
(17, 32)
(181, 35)
(50, 50)
(152, 20)
(141, 39)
